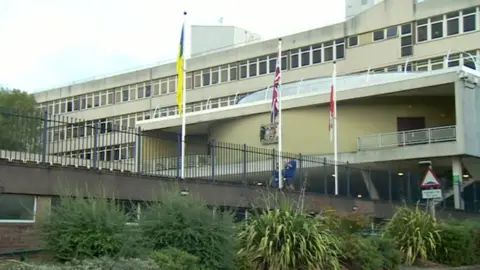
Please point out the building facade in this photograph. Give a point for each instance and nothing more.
(393, 35)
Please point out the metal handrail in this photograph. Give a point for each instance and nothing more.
(406, 138)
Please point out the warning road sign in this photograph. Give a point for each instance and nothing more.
(430, 179)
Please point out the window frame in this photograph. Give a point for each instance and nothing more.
(34, 211)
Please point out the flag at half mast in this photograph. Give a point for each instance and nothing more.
(180, 71)
(276, 84)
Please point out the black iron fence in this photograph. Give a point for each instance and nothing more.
(36, 137)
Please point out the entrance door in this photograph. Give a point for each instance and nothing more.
(408, 128)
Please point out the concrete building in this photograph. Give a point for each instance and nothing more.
(395, 37)
(355, 7)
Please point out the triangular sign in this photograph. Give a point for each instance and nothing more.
(430, 179)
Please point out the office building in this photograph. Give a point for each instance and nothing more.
(395, 37)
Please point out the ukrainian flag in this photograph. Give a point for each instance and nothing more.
(180, 72)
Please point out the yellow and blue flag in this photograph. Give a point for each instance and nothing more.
(180, 72)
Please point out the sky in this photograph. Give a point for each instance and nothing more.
(50, 43)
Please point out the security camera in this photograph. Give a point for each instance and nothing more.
(462, 74)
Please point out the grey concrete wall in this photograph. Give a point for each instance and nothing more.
(22, 178)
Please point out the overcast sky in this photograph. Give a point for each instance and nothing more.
(48, 43)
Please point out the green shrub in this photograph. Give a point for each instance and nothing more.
(86, 228)
(174, 259)
(359, 254)
(187, 224)
(285, 238)
(460, 244)
(416, 233)
(386, 249)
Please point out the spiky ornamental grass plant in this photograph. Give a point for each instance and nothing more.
(187, 224)
(286, 238)
(416, 232)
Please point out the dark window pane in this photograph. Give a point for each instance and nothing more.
(421, 33)
(469, 23)
(437, 30)
(233, 73)
(405, 41)
(243, 72)
(407, 51)
(452, 27)
(317, 57)
(392, 31)
(252, 70)
(305, 58)
(378, 35)
(206, 78)
(353, 41)
(406, 29)
(294, 61)
(340, 51)
(272, 63)
(262, 66)
(284, 63)
(16, 207)
(328, 54)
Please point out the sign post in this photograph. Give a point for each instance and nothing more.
(431, 188)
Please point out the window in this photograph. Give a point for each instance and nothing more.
(172, 84)
(392, 31)
(148, 90)
(406, 29)
(453, 23)
(339, 49)
(188, 81)
(305, 56)
(328, 51)
(436, 27)
(17, 208)
(125, 93)
(378, 35)
(353, 41)
(469, 17)
(422, 30)
(156, 87)
(294, 61)
(243, 70)
(205, 77)
(252, 67)
(224, 73)
(197, 79)
(233, 72)
(215, 75)
(316, 53)
(262, 65)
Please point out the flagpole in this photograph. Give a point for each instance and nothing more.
(335, 141)
(184, 98)
(279, 132)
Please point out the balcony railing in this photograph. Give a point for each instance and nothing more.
(406, 138)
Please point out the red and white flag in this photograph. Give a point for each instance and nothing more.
(276, 84)
(333, 103)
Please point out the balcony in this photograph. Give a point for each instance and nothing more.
(407, 138)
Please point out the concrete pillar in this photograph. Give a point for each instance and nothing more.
(457, 172)
(372, 190)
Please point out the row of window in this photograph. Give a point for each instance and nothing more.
(122, 127)
(450, 24)
(115, 152)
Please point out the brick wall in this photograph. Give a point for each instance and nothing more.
(18, 236)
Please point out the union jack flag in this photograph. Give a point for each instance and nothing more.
(276, 84)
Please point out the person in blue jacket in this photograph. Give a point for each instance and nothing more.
(275, 177)
(289, 173)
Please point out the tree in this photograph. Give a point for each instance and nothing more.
(20, 121)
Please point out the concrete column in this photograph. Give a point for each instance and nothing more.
(372, 190)
(457, 172)
(459, 114)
